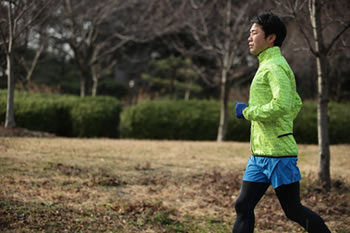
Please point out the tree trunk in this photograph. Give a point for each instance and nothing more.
(94, 84)
(84, 72)
(82, 87)
(322, 103)
(322, 123)
(187, 94)
(226, 64)
(84, 83)
(188, 91)
(10, 119)
(224, 93)
(10, 113)
(35, 61)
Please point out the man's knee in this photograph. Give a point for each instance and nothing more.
(294, 213)
(241, 207)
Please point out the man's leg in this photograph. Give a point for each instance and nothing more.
(289, 197)
(250, 195)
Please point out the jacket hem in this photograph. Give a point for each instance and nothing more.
(276, 156)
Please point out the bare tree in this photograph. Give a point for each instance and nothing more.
(96, 30)
(37, 36)
(17, 16)
(77, 25)
(102, 67)
(327, 23)
(217, 31)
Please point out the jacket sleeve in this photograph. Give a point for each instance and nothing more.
(297, 106)
(282, 97)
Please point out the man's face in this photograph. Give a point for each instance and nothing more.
(257, 40)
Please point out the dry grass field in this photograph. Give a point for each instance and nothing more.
(103, 185)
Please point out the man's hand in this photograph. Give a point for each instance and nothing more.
(239, 109)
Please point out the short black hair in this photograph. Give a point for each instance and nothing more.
(272, 24)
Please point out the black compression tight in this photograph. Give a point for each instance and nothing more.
(288, 196)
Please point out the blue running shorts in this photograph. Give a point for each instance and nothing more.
(276, 171)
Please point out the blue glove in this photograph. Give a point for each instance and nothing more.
(239, 109)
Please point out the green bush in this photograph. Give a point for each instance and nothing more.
(185, 120)
(161, 120)
(33, 111)
(305, 125)
(65, 115)
(198, 120)
(166, 119)
(38, 114)
(95, 117)
(339, 121)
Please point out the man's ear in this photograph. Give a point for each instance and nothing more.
(271, 38)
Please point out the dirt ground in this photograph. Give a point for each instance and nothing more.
(51, 184)
(21, 132)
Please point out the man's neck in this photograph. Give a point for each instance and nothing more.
(269, 52)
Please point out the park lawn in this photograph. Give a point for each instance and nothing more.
(104, 185)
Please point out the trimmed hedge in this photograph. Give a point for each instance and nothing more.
(183, 120)
(65, 115)
(305, 125)
(199, 119)
(166, 119)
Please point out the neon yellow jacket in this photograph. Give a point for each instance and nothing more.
(273, 105)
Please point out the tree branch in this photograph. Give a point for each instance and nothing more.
(341, 32)
(34, 19)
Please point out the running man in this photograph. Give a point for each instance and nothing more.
(273, 105)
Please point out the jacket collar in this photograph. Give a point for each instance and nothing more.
(269, 53)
